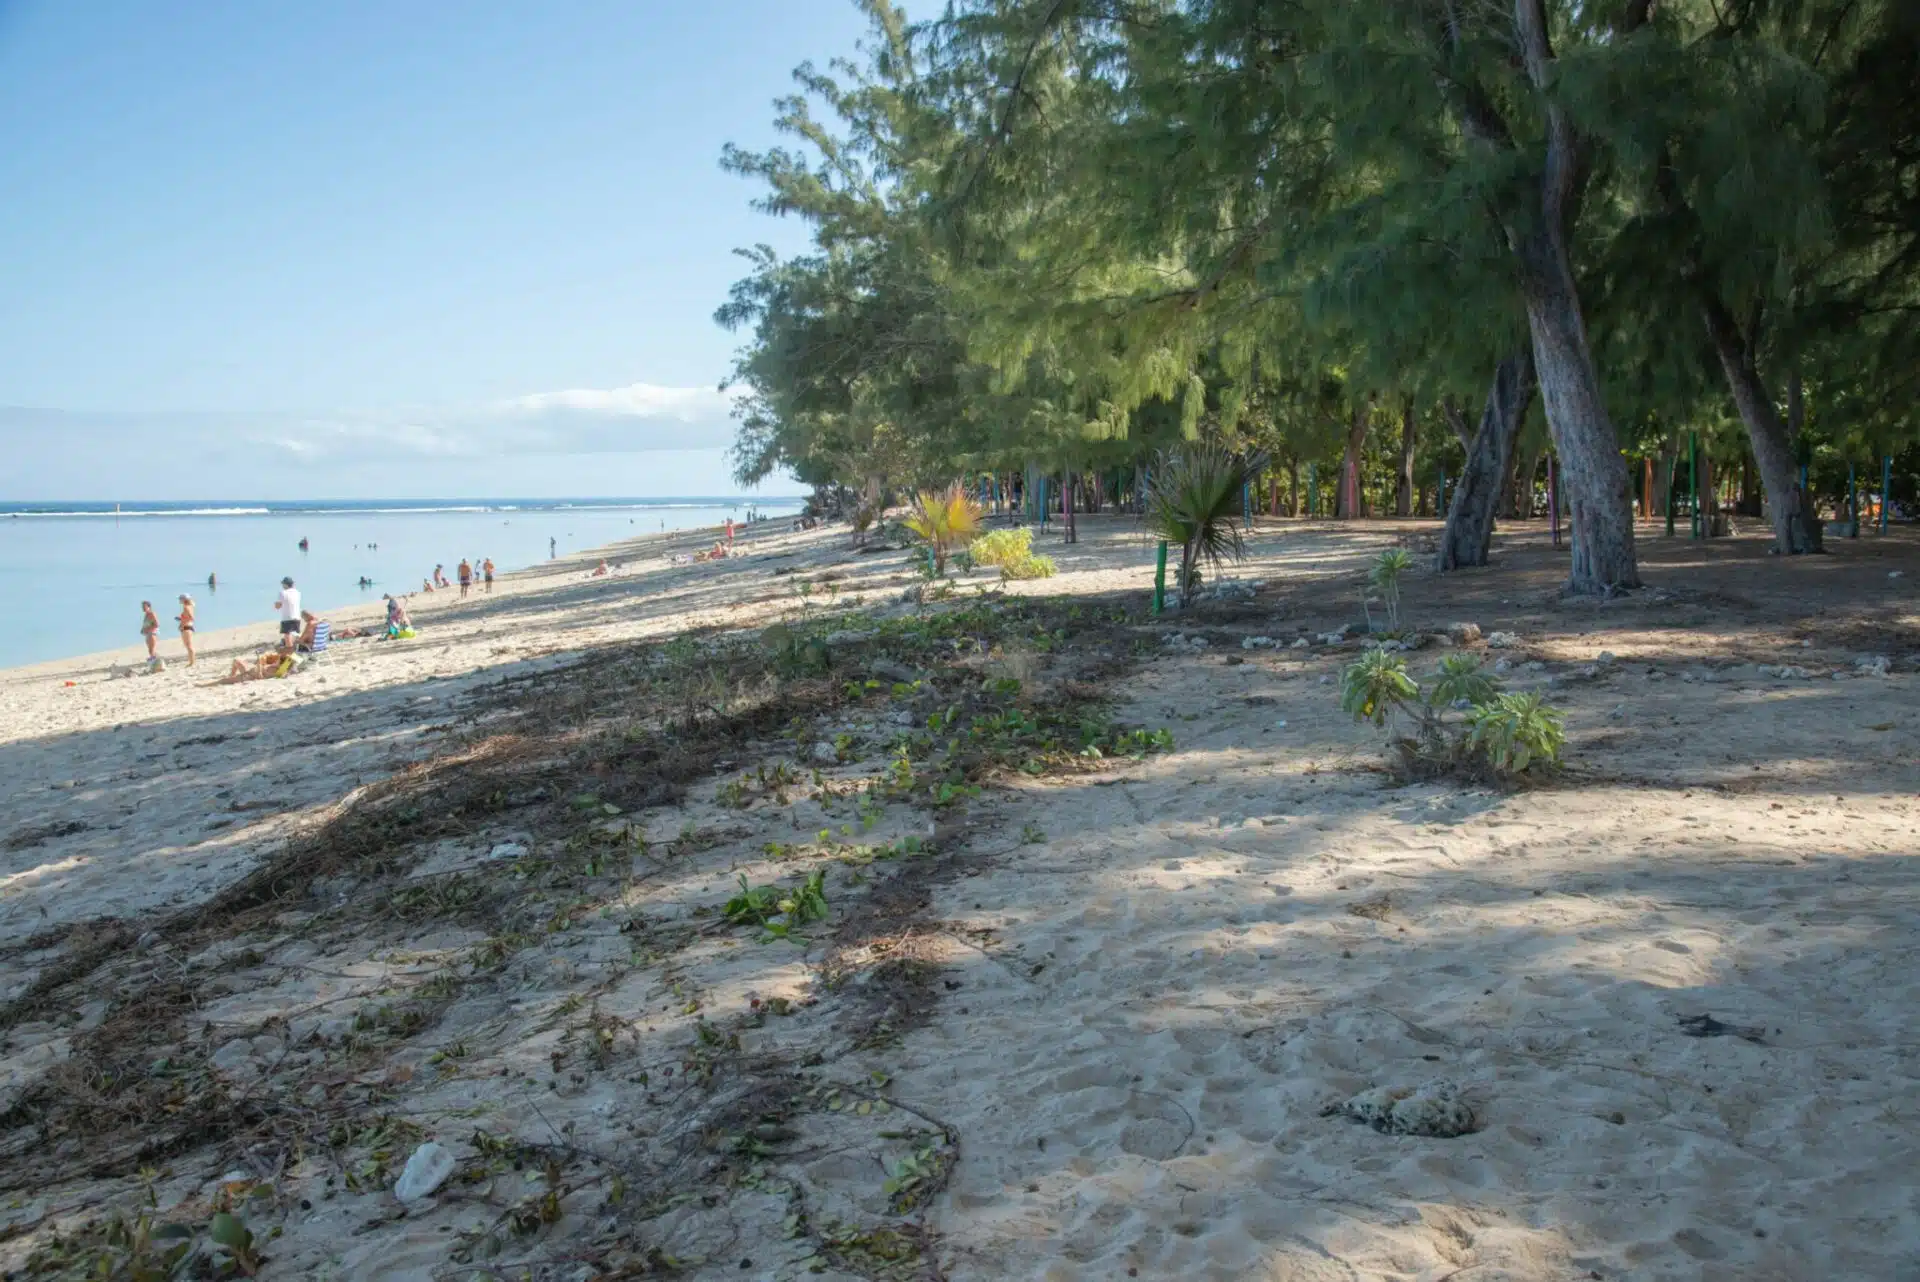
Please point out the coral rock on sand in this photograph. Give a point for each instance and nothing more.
(1434, 1110)
(1463, 633)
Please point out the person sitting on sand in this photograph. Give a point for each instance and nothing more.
(397, 620)
(314, 633)
(150, 629)
(600, 570)
(440, 577)
(185, 620)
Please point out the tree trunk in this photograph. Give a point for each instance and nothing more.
(1796, 526)
(1469, 530)
(1066, 506)
(1583, 435)
(1599, 497)
(1347, 499)
(1403, 496)
(1293, 487)
(1749, 504)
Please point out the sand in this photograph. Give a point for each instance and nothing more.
(1123, 1002)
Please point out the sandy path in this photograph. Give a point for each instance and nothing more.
(1150, 1001)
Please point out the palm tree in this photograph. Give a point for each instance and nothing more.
(946, 519)
(1195, 502)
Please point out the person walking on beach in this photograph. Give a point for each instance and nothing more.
(486, 569)
(553, 546)
(185, 620)
(212, 583)
(289, 607)
(465, 571)
(150, 629)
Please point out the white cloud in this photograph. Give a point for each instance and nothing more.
(74, 452)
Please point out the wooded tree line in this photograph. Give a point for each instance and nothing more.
(1375, 239)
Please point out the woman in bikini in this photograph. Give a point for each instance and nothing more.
(185, 620)
(150, 629)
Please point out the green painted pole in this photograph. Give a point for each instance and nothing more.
(1886, 484)
(1160, 579)
(1853, 505)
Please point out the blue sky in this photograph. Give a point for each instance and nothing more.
(363, 248)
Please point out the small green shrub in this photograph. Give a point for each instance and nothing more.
(1509, 734)
(1002, 547)
(1385, 576)
(1461, 677)
(1033, 567)
(1374, 685)
(1514, 731)
(1012, 551)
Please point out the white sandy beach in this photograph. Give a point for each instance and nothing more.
(1143, 984)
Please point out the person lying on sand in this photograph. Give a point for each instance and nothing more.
(265, 666)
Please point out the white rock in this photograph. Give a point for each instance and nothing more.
(1463, 633)
(507, 850)
(430, 1166)
(1300, 643)
(1502, 641)
(825, 754)
(1873, 665)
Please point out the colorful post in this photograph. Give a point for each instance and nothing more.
(1886, 484)
(1160, 579)
(1853, 505)
(1693, 481)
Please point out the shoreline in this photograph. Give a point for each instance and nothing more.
(261, 634)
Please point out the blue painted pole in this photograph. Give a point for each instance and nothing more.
(1886, 485)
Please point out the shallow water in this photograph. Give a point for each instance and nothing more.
(73, 579)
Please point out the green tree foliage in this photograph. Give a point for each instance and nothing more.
(1072, 233)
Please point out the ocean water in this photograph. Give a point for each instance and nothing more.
(74, 574)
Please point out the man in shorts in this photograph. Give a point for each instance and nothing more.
(486, 568)
(465, 571)
(289, 607)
